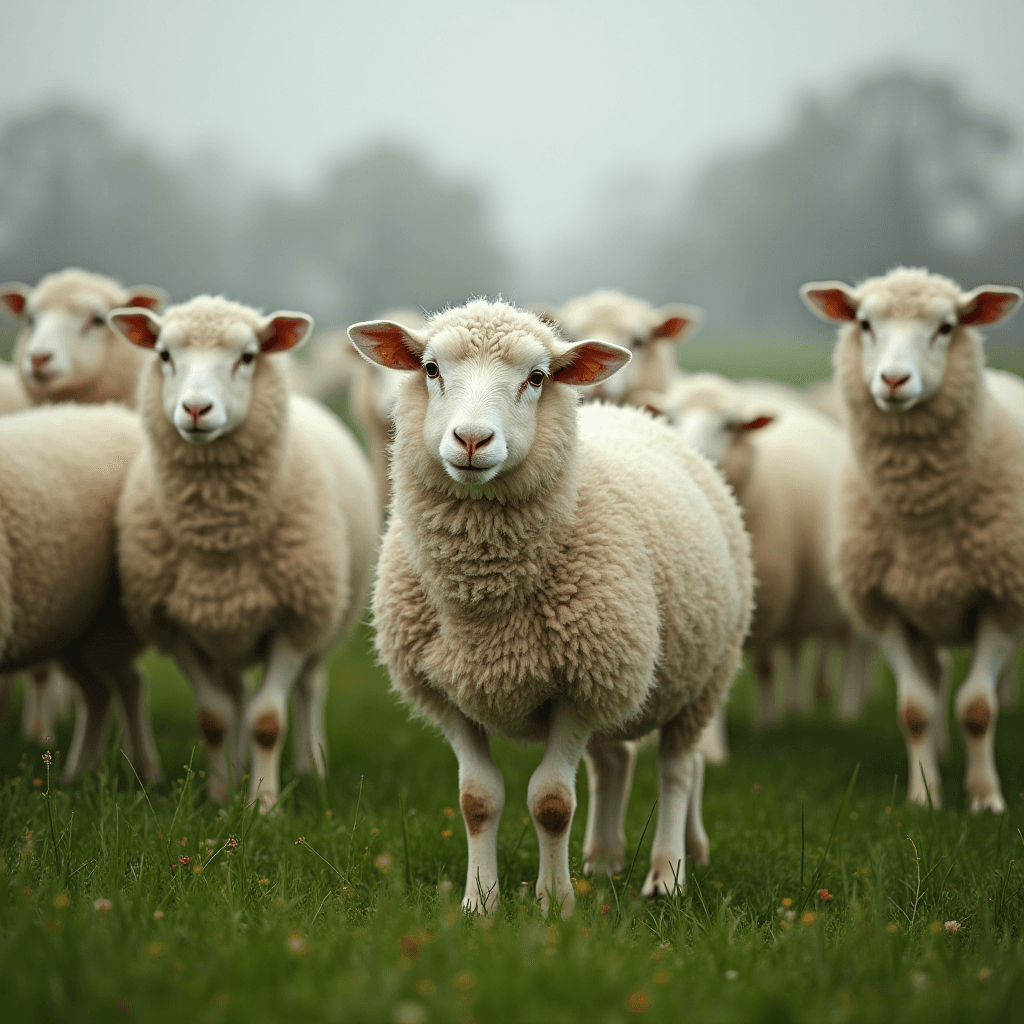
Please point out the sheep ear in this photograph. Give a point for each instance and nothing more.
(830, 300)
(139, 326)
(677, 322)
(284, 330)
(588, 362)
(756, 422)
(14, 296)
(389, 344)
(147, 297)
(989, 304)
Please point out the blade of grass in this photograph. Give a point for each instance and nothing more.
(405, 840)
(828, 845)
(636, 852)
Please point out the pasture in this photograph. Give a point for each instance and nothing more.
(827, 897)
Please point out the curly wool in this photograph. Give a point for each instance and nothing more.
(271, 527)
(577, 575)
(931, 505)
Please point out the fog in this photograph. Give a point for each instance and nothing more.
(344, 158)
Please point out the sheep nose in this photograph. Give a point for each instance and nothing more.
(38, 362)
(473, 440)
(894, 383)
(196, 411)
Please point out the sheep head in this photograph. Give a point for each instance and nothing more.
(905, 323)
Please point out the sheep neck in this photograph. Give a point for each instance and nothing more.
(224, 496)
(920, 463)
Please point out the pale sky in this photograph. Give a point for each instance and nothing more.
(540, 103)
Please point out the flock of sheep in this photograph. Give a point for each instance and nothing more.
(579, 574)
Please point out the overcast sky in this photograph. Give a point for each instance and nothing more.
(539, 102)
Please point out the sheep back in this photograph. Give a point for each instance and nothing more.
(641, 611)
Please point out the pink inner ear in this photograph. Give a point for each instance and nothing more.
(757, 423)
(390, 348)
(145, 301)
(15, 302)
(834, 303)
(288, 332)
(670, 328)
(988, 308)
(588, 364)
(137, 328)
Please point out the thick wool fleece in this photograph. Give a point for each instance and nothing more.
(272, 527)
(609, 567)
(931, 512)
(116, 375)
(13, 397)
(61, 473)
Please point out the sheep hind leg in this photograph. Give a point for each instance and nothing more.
(977, 708)
(482, 799)
(714, 741)
(91, 719)
(678, 771)
(856, 676)
(267, 719)
(798, 701)
(310, 744)
(917, 672)
(610, 766)
(551, 797)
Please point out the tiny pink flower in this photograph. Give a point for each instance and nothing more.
(952, 926)
(103, 906)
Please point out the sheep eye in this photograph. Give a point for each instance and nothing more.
(98, 321)
(865, 325)
(536, 378)
(165, 355)
(433, 370)
(247, 357)
(639, 342)
(945, 328)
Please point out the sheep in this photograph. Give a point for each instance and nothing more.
(650, 335)
(930, 517)
(584, 581)
(247, 528)
(780, 458)
(61, 472)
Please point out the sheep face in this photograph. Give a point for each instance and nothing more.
(209, 359)
(66, 338)
(905, 325)
(484, 389)
(650, 335)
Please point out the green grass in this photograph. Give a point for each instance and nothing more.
(358, 921)
(350, 924)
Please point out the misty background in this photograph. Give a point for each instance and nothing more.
(341, 161)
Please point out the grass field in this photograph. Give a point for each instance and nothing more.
(157, 906)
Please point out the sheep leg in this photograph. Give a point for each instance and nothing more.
(139, 742)
(680, 771)
(822, 688)
(917, 676)
(1008, 685)
(942, 723)
(551, 797)
(977, 707)
(218, 713)
(267, 719)
(310, 743)
(38, 713)
(482, 799)
(798, 703)
(856, 676)
(698, 846)
(610, 766)
(91, 719)
(714, 742)
(765, 715)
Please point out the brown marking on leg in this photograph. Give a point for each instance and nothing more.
(475, 813)
(914, 722)
(266, 730)
(212, 730)
(553, 812)
(977, 716)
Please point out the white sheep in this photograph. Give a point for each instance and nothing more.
(781, 459)
(576, 576)
(930, 523)
(61, 472)
(650, 335)
(247, 528)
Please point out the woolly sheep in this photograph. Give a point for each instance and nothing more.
(247, 528)
(61, 472)
(66, 351)
(524, 590)
(781, 460)
(930, 523)
(650, 335)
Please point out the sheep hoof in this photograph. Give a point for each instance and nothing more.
(985, 797)
(664, 878)
(602, 861)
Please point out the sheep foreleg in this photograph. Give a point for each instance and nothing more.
(610, 766)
